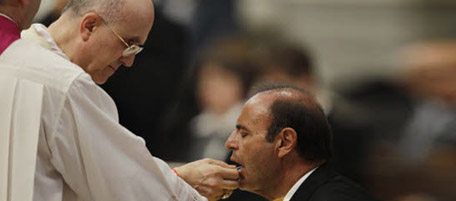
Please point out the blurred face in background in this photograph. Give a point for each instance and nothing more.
(438, 83)
(218, 89)
(430, 70)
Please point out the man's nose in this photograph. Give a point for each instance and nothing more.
(127, 61)
(231, 142)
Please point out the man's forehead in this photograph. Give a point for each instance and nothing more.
(251, 119)
(257, 108)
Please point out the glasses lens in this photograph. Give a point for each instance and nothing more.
(133, 49)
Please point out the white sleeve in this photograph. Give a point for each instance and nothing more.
(101, 160)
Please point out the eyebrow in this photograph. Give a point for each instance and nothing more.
(136, 40)
(241, 127)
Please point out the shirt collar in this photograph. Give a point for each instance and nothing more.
(53, 47)
(295, 187)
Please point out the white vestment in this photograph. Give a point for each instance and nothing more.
(82, 152)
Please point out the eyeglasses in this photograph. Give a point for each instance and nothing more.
(131, 49)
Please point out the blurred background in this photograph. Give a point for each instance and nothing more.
(383, 70)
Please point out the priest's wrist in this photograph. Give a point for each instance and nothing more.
(175, 171)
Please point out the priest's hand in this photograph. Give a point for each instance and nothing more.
(211, 178)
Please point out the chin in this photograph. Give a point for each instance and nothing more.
(100, 80)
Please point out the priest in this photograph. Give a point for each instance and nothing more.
(59, 133)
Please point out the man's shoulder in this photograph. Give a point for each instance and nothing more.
(28, 53)
(27, 60)
(340, 188)
(324, 184)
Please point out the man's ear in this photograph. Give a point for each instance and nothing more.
(90, 23)
(287, 141)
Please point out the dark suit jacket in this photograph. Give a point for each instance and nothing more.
(326, 185)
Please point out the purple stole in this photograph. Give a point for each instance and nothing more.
(9, 32)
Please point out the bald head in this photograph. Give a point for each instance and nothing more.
(110, 10)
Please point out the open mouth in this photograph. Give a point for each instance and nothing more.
(239, 167)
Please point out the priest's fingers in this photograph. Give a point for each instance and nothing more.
(210, 168)
(221, 163)
(229, 173)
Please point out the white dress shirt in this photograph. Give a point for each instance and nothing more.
(295, 187)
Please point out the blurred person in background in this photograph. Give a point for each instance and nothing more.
(429, 78)
(222, 74)
(420, 164)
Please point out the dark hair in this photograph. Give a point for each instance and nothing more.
(306, 117)
(292, 59)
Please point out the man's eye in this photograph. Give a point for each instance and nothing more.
(243, 134)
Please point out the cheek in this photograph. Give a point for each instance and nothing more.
(108, 57)
(107, 48)
(259, 168)
(258, 155)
